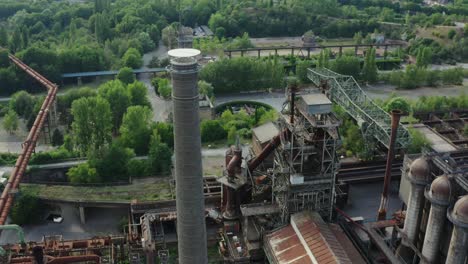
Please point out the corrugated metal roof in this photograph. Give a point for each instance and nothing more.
(308, 239)
(265, 132)
(316, 99)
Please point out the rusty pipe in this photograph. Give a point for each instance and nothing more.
(234, 163)
(253, 164)
(382, 213)
(73, 259)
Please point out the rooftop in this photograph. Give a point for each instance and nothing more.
(316, 99)
(308, 239)
(265, 132)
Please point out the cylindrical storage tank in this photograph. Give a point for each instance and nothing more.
(458, 249)
(439, 195)
(418, 176)
(191, 229)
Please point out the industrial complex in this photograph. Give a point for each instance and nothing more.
(283, 200)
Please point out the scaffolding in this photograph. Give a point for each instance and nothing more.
(306, 163)
(375, 123)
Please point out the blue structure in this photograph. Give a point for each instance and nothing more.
(108, 73)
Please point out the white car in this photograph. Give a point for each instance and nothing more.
(58, 219)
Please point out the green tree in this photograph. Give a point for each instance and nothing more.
(165, 131)
(83, 173)
(22, 103)
(301, 70)
(92, 123)
(10, 121)
(205, 88)
(135, 130)
(369, 70)
(154, 34)
(147, 43)
(111, 163)
(57, 138)
(4, 60)
(169, 36)
(27, 209)
(139, 94)
(3, 36)
(164, 88)
(119, 99)
(15, 43)
(358, 38)
(102, 27)
(347, 65)
(132, 58)
(160, 156)
(418, 141)
(212, 130)
(397, 103)
(126, 75)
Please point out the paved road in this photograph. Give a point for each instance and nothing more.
(161, 107)
(99, 222)
(274, 99)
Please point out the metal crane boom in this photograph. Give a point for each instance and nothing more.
(343, 90)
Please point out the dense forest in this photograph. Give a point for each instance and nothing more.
(56, 37)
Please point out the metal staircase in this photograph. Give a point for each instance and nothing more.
(373, 120)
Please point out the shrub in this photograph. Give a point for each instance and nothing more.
(83, 173)
(57, 138)
(51, 156)
(212, 130)
(27, 209)
(137, 168)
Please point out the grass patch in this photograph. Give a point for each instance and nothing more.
(156, 191)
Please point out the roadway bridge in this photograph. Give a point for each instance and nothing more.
(307, 51)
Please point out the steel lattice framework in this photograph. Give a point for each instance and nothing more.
(373, 120)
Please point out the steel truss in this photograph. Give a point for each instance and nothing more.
(373, 120)
(309, 151)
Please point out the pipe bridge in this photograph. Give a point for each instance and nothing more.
(374, 122)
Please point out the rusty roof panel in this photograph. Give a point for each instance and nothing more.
(309, 233)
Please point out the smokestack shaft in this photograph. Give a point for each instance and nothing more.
(191, 228)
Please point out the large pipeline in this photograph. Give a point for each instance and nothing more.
(382, 213)
(6, 199)
(253, 164)
(60, 260)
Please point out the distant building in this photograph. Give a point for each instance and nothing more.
(308, 39)
(202, 32)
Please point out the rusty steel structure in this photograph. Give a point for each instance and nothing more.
(382, 213)
(29, 145)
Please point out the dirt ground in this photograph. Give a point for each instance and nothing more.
(12, 142)
(383, 91)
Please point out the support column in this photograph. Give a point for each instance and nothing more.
(82, 215)
(79, 81)
(341, 51)
(458, 252)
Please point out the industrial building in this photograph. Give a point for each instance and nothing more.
(278, 203)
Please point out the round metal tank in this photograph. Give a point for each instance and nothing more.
(418, 174)
(458, 249)
(439, 195)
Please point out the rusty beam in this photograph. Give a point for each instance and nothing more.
(382, 213)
